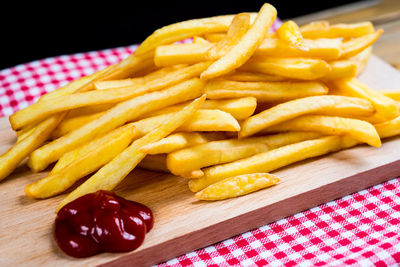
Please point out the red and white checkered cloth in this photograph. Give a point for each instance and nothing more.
(360, 229)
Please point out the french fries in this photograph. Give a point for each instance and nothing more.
(322, 29)
(294, 68)
(178, 141)
(115, 117)
(270, 160)
(110, 175)
(298, 83)
(313, 104)
(105, 149)
(330, 125)
(264, 91)
(289, 32)
(218, 152)
(245, 47)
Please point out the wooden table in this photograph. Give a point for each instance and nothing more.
(384, 14)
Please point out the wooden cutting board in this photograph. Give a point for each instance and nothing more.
(182, 223)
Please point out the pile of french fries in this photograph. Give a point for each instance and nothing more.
(223, 111)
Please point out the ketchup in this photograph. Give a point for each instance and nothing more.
(101, 222)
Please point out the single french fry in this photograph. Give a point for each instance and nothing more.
(239, 108)
(199, 40)
(237, 186)
(113, 118)
(217, 152)
(44, 108)
(385, 106)
(330, 125)
(393, 94)
(361, 59)
(78, 117)
(246, 46)
(125, 132)
(101, 85)
(322, 29)
(388, 128)
(215, 37)
(341, 69)
(70, 124)
(332, 104)
(191, 53)
(101, 153)
(185, 29)
(264, 91)
(178, 141)
(239, 26)
(192, 174)
(111, 174)
(323, 48)
(243, 76)
(354, 46)
(289, 33)
(294, 68)
(156, 163)
(19, 151)
(271, 160)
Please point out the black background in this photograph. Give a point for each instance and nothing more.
(33, 31)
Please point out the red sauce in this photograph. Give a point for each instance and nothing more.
(101, 222)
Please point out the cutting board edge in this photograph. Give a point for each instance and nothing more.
(292, 205)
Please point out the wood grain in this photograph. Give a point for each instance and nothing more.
(182, 223)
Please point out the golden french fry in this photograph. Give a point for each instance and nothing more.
(199, 40)
(237, 186)
(185, 29)
(393, 94)
(125, 132)
(361, 59)
(385, 106)
(342, 69)
(323, 48)
(239, 108)
(113, 118)
(19, 151)
(332, 104)
(156, 163)
(192, 174)
(264, 91)
(330, 125)
(111, 174)
(271, 160)
(217, 152)
(322, 29)
(245, 47)
(215, 37)
(354, 46)
(60, 180)
(289, 33)
(101, 85)
(243, 76)
(45, 108)
(78, 117)
(294, 68)
(239, 26)
(70, 124)
(168, 55)
(178, 141)
(41, 132)
(211, 120)
(388, 128)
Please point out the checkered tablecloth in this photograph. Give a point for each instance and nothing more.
(360, 229)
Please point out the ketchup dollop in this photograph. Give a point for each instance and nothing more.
(101, 222)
